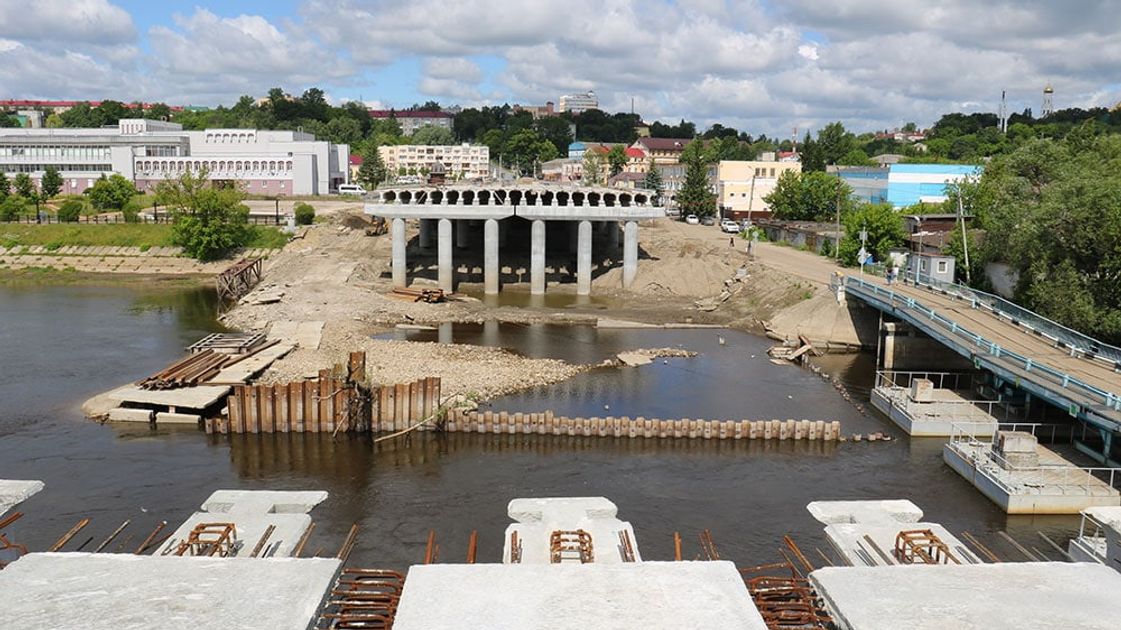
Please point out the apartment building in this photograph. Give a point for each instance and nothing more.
(411, 120)
(460, 161)
(577, 103)
(741, 185)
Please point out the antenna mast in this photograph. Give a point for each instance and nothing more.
(1003, 113)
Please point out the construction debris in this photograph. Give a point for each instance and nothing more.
(228, 343)
(430, 296)
(239, 278)
(363, 598)
(795, 354)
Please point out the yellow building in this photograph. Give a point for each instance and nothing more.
(741, 185)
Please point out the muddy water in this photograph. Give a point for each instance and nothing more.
(60, 345)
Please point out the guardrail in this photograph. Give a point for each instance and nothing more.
(1065, 382)
(1077, 342)
(1044, 479)
(941, 380)
(979, 413)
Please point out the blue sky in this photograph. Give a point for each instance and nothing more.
(757, 65)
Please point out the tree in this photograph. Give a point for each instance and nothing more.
(525, 149)
(51, 183)
(344, 130)
(158, 111)
(5, 186)
(884, 226)
(54, 121)
(811, 196)
(112, 112)
(11, 208)
(24, 186)
(696, 196)
(82, 115)
(555, 129)
(70, 210)
(617, 159)
(209, 220)
(431, 134)
(372, 172)
(592, 168)
(653, 181)
(856, 157)
(111, 193)
(305, 213)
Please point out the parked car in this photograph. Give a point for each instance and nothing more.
(708, 221)
(692, 219)
(351, 189)
(730, 226)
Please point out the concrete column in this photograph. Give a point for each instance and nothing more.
(503, 232)
(461, 227)
(400, 279)
(613, 235)
(573, 235)
(584, 258)
(537, 258)
(490, 256)
(444, 255)
(425, 239)
(630, 253)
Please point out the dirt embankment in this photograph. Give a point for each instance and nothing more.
(337, 275)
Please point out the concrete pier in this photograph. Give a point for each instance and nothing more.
(446, 271)
(613, 235)
(397, 229)
(584, 258)
(490, 256)
(537, 258)
(630, 253)
(462, 235)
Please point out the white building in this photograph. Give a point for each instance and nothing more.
(149, 151)
(461, 161)
(577, 103)
(412, 120)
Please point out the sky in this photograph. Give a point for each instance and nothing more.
(764, 66)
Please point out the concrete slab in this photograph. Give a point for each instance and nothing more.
(252, 512)
(245, 369)
(199, 397)
(123, 414)
(948, 412)
(537, 519)
(164, 417)
(124, 591)
(645, 595)
(850, 540)
(16, 491)
(1005, 596)
(874, 511)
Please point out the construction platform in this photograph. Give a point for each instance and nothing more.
(1099, 537)
(1022, 477)
(647, 595)
(915, 402)
(1004, 596)
(16, 491)
(882, 533)
(115, 591)
(278, 518)
(538, 518)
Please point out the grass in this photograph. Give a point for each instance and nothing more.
(144, 236)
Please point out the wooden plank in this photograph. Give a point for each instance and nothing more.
(233, 406)
(280, 402)
(324, 396)
(251, 410)
(400, 394)
(311, 409)
(268, 409)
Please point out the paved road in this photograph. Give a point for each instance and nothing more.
(1022, 341)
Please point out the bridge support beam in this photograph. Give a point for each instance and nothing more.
(400, 277)
(537, 258)
(425, 239)
(461, 233)
(490, 256)
(444, 255)
(630, 253)
(584, 258)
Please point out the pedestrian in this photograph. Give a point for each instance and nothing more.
(750, 246)
(731, 241)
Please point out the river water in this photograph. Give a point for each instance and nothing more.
(59, 345)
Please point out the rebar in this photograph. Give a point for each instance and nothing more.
(61, 542)
(116, 532)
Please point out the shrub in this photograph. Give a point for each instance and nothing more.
(11, 208)
(70, 210)
(305, 214)
(131, 211)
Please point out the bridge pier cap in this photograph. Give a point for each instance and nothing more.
(536, 200)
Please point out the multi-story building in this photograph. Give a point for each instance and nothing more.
(538, 111)
(577, 103)
(904, 185)
(563, 170)
(150, 151)
(460, 161)
(411, 120)
(741, 185)
(663, 150)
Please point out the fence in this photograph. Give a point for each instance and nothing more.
(894, 387)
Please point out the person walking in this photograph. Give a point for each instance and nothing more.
(731, 241)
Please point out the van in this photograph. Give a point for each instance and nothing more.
(351, 189)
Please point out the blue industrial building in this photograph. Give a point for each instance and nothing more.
(904, 185)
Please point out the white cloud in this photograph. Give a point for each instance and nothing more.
(807, 51)
(66, 22)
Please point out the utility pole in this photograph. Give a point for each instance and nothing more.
(751, 199)
(964, 237)
(837, 235)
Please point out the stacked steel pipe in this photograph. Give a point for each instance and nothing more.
(189, 371)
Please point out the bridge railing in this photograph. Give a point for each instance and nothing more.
(1050, 479)
(1077, 342)
(1054, 377)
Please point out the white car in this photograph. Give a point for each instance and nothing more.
(351, 189)
(692, 220)
(730, 226)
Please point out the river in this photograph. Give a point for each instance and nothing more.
(59, 345)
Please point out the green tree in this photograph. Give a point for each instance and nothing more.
(372, 172)
(431, 134)
(209, 220)
(653, 181)
(696, 196)
(555, 129)
(812, 196)
(5, 186)
(11, 208)
(158, 111)
(70, 210)
(111, 193)
(305, 214)
(24, 186)
(856, 157)
(885, 231)
(617, 159)
(51, 183)
(592, 168)
(54, 121)
(525, 150)
(344, 130)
